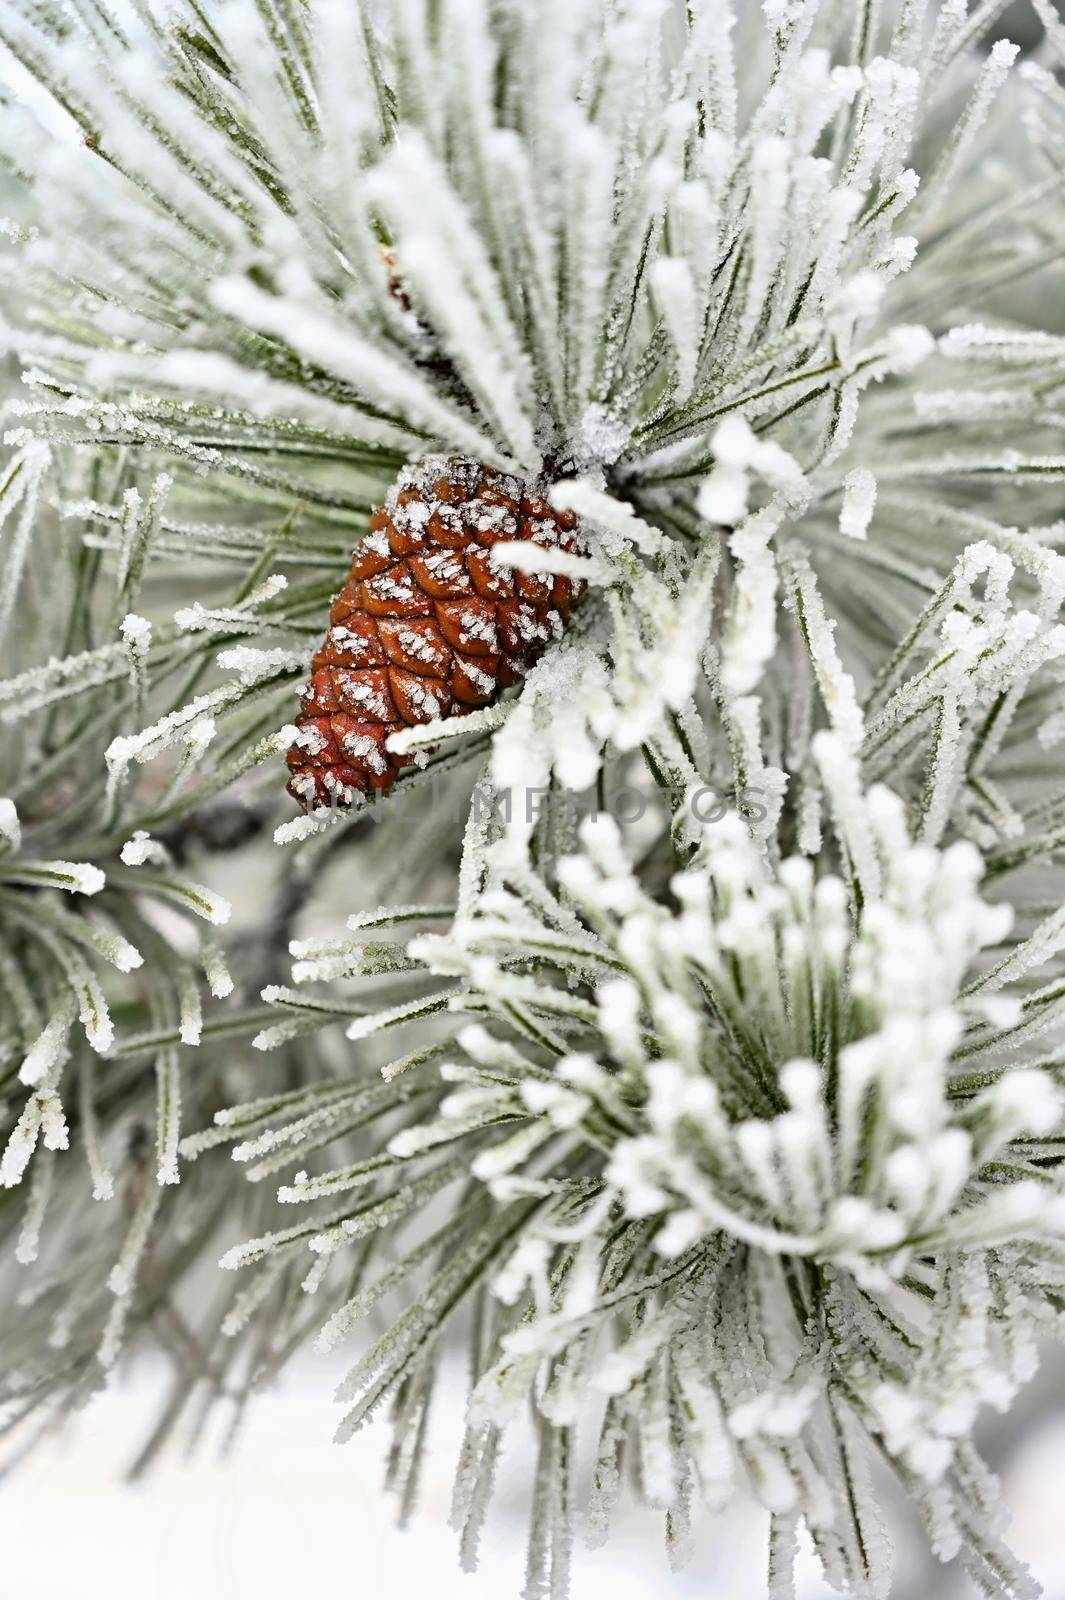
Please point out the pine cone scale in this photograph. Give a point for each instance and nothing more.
(426, 625)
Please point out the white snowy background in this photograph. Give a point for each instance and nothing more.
(288, 1513)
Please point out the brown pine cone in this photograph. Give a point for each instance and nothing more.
(427, 625)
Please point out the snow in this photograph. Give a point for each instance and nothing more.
(680, 296)
(859, 503)
(10, 830)
(141, 849)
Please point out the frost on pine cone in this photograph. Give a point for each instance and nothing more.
(428, 625)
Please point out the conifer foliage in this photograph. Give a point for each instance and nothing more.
(694, 1046)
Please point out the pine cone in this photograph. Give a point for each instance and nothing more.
(427, 625)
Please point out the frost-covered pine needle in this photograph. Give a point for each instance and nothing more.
(707, 1043)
